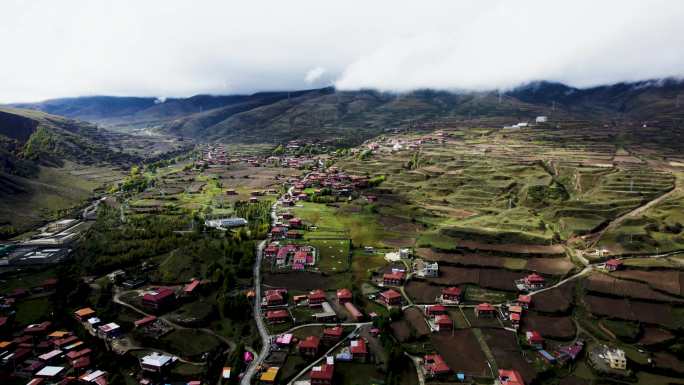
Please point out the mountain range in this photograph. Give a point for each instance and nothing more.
(351, 116)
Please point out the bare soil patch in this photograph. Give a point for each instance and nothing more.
(401, 330)
(499, 279)
(553, 266)
(604, 284)
(422, 291)
(504, 347)
(557, 328)
(298, 281)
(631, 310)
(415, 318)
(556, 300)
(512, 248)
(461, 259)
(462, 352)
(669, 281)
(655, 336)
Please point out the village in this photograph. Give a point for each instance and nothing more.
(327, 298)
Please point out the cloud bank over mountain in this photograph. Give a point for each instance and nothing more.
(180, 48)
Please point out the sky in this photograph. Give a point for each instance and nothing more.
(180, 48)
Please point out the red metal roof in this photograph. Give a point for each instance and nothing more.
(510, 377)
(358, 346)
(485, 307)
(525, 299)
(333, 331)
(145, 320)
(322, 372)
(277, 314)
(189, 288)
(455, 291)
(160, 295)
(390, 294)
(310, 342)
(344, 293)
(317, 294)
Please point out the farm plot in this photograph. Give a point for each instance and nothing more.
(604, 284)
(302, 281)
(557, 328)
(551, 266)
(415, 318)
(498, 279)
(556, 300)
(631, 310)
(422, 291)
(669, 281)
(504, 346)
(655, 336)
(462, 352)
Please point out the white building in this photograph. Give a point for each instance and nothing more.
(541, 119)
(156, 362)
(431, 270)
(226, 223)
(616, 359)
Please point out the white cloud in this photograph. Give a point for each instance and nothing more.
(314, 75)
(179, 48)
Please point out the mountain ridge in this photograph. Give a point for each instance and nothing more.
(351, 116)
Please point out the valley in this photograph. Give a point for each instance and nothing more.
(426, 251)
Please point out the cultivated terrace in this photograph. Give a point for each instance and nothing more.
(547, 253)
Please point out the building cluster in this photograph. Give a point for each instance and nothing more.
(291, 256)
(531, 282)
(41, 354)
(211, 155)
(276, 302)
(51, 245)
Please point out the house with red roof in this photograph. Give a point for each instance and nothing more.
(145, 321)
(525, 301)
(278, 232)
(613, 264)
(344, 295)
(433, 310)
(534, 339)
(271, 251)
(533, 281)
(391, 297)
(316, 298)
(452, 294)
(191, 287)
(322, 374)
(485, 310)
(510, 377)
(435, 366)
(160, 299)
(309, 346)
(295, 223)
(333, 334)
(273, 298)
(443, 323)
(359, 350)
(395, 278)
(277, 316)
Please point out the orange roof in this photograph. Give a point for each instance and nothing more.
(86, 311)
(59, 334)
